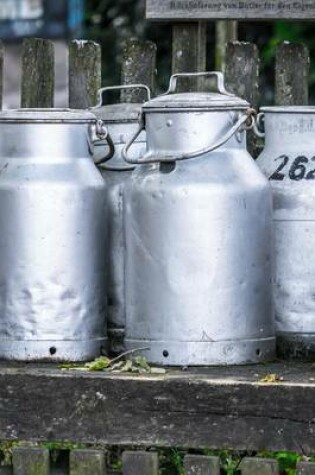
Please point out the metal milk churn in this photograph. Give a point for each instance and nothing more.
(198, 222)
(121, 120)
(288, 160)
(53, 236)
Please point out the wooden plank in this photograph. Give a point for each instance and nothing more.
(83, 462)
(138, 67)
(292, 74)
(1, 72)
(259, 466)
(140, 462)
(305, 468)
(30, 461)
(221, 407)
(189, 52)
(230, 9)
(5, 470)
(84, 73)
(242, 78)
(225, 32)
(38, 73)
(201, 465)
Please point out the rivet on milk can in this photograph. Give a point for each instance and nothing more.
(53, 236)
(198, 213)
(288, 160)
(121, 120)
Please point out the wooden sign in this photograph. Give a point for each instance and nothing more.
(230, 9)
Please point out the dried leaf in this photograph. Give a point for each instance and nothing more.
(271, 378)
(136, 365)
(155, 370)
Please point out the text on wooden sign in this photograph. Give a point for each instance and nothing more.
(230, 9)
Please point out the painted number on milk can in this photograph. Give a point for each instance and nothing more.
(296, 168)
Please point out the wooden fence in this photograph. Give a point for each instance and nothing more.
(205, 409)
(36, 461)
(139, 65)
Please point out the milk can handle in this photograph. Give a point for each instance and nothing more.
(217, 74)
(99, 133)
(151, 158)
(257, 125)
(120, 88)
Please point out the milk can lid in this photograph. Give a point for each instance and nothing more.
(51, 116)
(122, 111)
(289, 109)
(196, 101)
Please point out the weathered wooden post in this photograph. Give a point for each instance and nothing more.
(251, 465)
(292, 74)
(30, 461)
(83, 462)
(84, 73)
(38, 73)
(225, 32)
(242, 78)
(188, 51)
(1, 72)
(138, 66)
(201, 465)
(140, 462)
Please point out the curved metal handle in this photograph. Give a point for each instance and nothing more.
(150, 158)
(120, 88)
(99, 132)
(257, 125)
(217, 74)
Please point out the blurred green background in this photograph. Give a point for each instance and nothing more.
(111, 22)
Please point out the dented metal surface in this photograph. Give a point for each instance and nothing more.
(53, 237)
(288, 160)
(121, 121)
(198, 276)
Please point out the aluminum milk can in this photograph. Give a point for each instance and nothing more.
(53, 236)
(121, 121)
(198, 229)
(288, 160)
